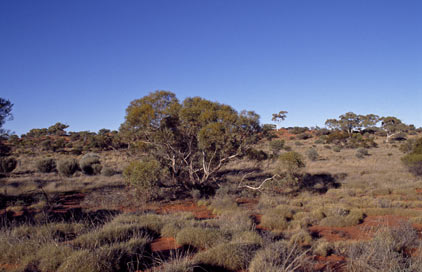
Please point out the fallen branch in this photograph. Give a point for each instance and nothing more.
(260, 186)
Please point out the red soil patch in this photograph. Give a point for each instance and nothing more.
(7, 267)
(164, 244)
(200, 212)
(362, 231)
(332, 263)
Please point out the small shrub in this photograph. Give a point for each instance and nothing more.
(280, 257)
(291, 163)
(276, 146)
(90, 164)
(303, 136)
(200, 237)
(195, 194)
(144, 175)
(108, 171)
(361, 153)
(312, 154)
(319, 141)
(232, 256)
(414, 163)
(67, 167)
(7, 164)
(336, 148)
(46, 165)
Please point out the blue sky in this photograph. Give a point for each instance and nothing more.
(81, 62)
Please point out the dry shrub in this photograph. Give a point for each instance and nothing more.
(7, 164)
(281, 257)
(46, 165)
(201, 237)
(67, 167)
(388, 251)
(231, 256)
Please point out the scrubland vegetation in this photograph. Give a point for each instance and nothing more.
(197, 186)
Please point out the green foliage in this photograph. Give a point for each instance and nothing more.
(193, 139)
(90, 164)
(5, 112)
(46, 165)
(291, 163)
(312, 154)
(144, 175)
(350, 122)
(67, 167)
(7, 164)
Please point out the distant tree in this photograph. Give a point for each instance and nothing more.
(57, 129)
(280, 116)
(192, 139)
(392, 126)
(349, 122)
(5, 112)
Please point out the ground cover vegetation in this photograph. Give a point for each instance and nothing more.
(194, 185)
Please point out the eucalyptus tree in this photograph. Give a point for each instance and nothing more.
(192, 139)
(349, 122)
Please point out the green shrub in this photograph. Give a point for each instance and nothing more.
(67, 167)
(144, 175)
(7, 164)
(291, 163)
(312, 154)
(232, 256)
(46, 165)
(90, 164)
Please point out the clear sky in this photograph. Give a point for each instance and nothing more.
(81, 62)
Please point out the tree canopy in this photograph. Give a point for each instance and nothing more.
(5, 112)
(350, 122)
(193, 139)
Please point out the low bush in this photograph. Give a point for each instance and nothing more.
(90, 164)
(144, 175)
(108, 171)
(413, 162)
(336, 148)
(46, 165)
(281, 257)
(7, 164)
(199, 237)
(387, 251)
(67, 167)
(231, 256)
(276, 146)
(361, 153)
(312, 154)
